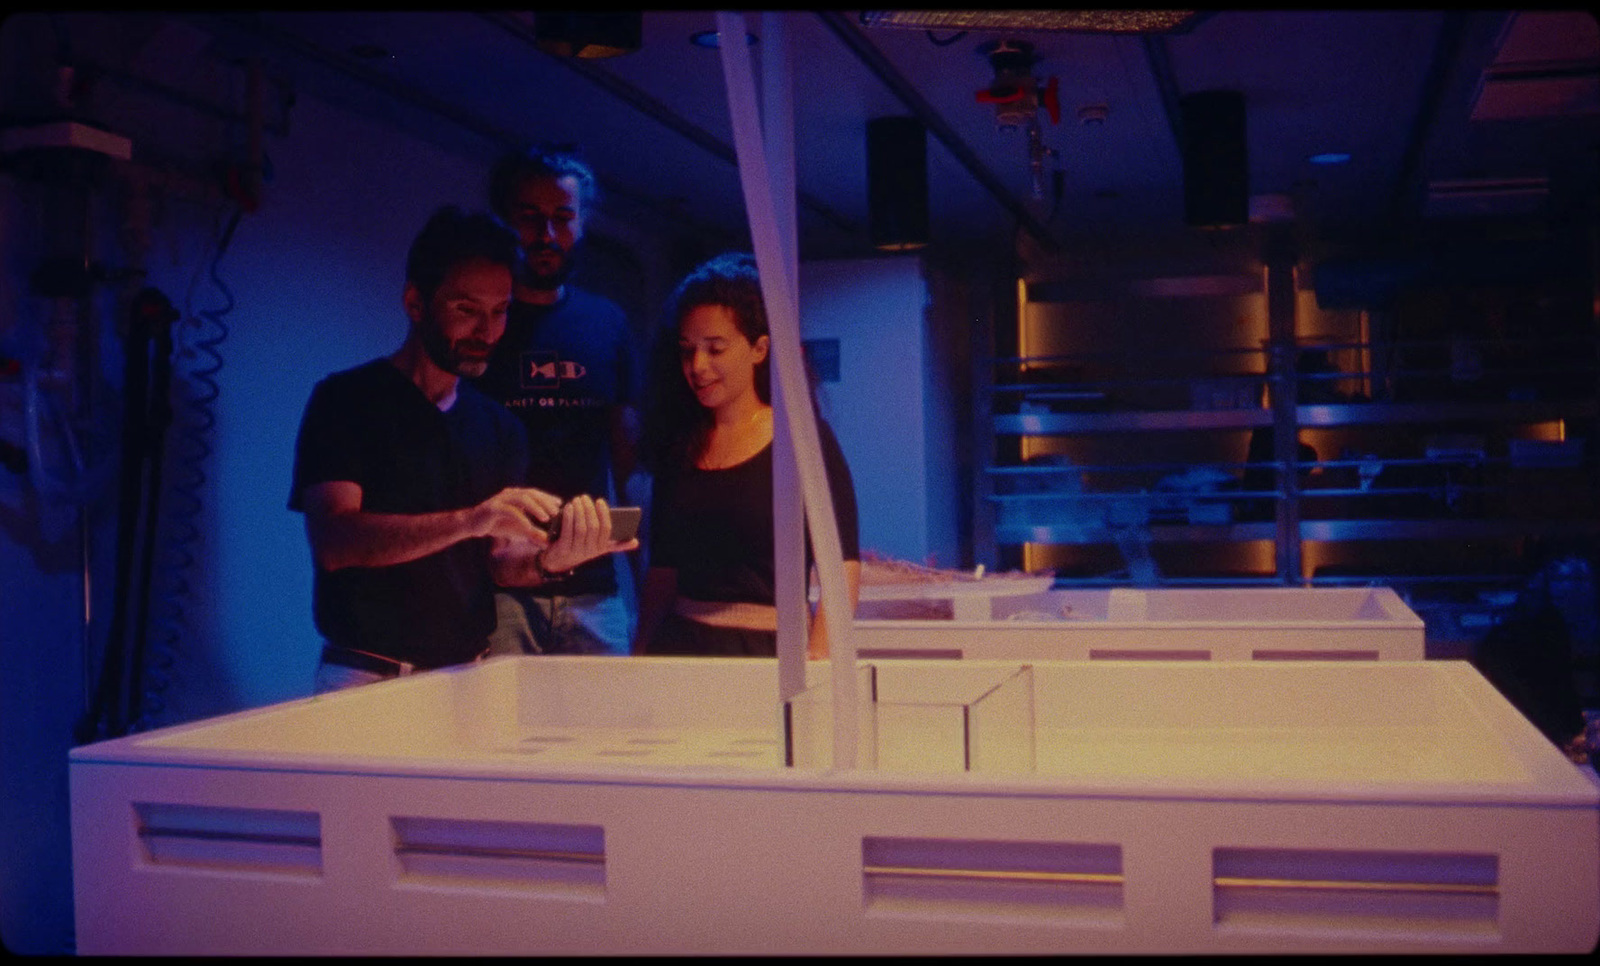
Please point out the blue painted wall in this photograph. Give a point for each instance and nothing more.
(315, 275)
(874, 308)
(893, 406)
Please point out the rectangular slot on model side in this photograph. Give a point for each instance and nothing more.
(565, 861)
(1148, 654)
(1420, 892)
(1078, 881)
(231, 839)
(1283, 654)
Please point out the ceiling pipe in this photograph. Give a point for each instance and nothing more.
(1155, 51)
(1446, 51)
(874, 60)
(422, 100)
(660, 112)
(278, 127)
(254, 28)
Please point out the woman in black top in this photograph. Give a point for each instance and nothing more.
(709, 589)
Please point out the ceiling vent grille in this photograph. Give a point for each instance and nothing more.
(1010, 21)
(1486, 197)
(1547, 65)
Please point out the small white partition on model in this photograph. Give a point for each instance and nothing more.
(572, 805)
(1016, 619)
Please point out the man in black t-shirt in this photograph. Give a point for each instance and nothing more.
(566, 369)
(411, 481)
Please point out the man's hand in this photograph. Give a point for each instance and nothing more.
(585, 534)
(518, 560)
(516, 513)
(344, 534)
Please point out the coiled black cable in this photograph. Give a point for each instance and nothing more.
(196, 418)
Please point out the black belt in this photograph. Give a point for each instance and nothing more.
(366, 661)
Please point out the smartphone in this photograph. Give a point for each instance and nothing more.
(624, 524)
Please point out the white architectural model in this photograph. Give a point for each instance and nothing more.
(1012, 619)
(573, 805)
(600, 805)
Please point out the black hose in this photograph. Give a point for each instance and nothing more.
(110, 712)
(158, 313)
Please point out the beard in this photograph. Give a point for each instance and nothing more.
(546, 280)
(464, 357)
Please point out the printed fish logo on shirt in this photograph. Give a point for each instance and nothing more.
(546, 370)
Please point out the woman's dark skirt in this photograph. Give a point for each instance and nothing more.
(680, 636)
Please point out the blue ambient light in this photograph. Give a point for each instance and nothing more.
(708, 39)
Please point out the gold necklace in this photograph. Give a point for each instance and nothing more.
(734, 443)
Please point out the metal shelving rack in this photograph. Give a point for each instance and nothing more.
(1488, 494)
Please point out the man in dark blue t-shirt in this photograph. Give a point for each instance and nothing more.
(566, 369)
(411, 481)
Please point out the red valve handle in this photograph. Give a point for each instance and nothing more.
(1052, 100)
(990, 97)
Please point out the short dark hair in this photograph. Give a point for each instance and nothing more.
(517, 167)
(453, 236)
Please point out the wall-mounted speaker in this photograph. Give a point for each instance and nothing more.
(1216, 172)
(897, 183)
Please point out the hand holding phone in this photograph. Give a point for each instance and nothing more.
(624, 524)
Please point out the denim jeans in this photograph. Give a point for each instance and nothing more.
(585, 624)
(337, 677)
